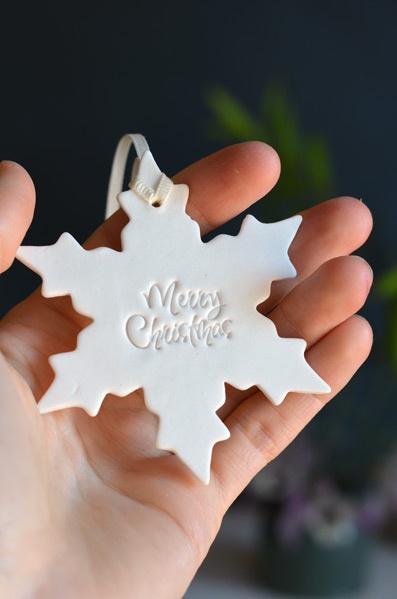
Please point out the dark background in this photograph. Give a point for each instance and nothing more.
(75, 76)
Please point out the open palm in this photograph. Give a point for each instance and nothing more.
(88, 506)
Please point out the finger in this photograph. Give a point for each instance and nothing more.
(260, 431)
(333, 293)
(220, 186)
(334, 228)
(228, 182)
(17, 199)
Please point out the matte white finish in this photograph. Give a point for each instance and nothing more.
(174, 316)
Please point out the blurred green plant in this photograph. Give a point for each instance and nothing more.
(386, 289)
(307, 171)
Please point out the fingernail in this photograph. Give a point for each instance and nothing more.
(366, 264)
(5, 164)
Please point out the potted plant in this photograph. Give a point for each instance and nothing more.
(316, 533)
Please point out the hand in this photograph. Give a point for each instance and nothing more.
(88, 507)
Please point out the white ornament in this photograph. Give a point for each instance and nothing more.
(172, 315)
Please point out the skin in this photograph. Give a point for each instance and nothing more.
(88, 507)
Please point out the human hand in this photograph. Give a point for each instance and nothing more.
(88, 506)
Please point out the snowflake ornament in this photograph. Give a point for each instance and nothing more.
(171, 314)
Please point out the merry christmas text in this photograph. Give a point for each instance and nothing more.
(178, 316)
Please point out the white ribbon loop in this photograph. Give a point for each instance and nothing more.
(155, 196)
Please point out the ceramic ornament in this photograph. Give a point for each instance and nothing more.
(171, 314)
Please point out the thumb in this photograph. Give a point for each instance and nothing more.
(21, 452)
(17, 200)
